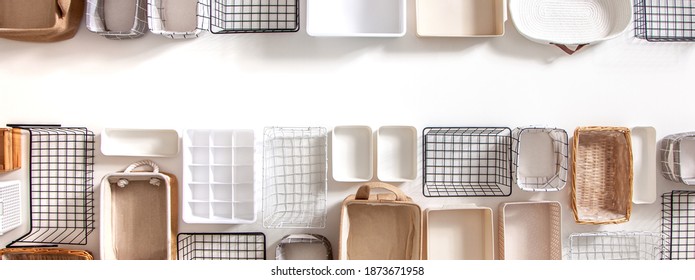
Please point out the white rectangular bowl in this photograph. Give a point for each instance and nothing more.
(461, 18)
(139, 142)
(396, 153)
(644, 165)
(352, 154)
(530, 231)
(356, 18)
(464, 233)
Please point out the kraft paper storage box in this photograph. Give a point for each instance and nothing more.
(178, 19)
(304, 246)
(117, 20)
(461, 18)
(139, 214)
(530, 231)
(10, 149)
(43, 254)
(602, 175)
(458, 233)
(565, 23)
(384, 226)
(40, 20)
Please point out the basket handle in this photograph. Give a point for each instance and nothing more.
(147, 162)
(364, 191)
(567, 50)
(63, 6)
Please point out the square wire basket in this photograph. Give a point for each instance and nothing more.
(678, 225)
(221, 246)
(633, 245)
(467, 161)
(96, 20)
(674, 161)
(294, 177)
(157, 18)
(254, 16)
(559, 148)
(665, 20)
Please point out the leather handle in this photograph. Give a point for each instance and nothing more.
(567, 50)
(364, 191)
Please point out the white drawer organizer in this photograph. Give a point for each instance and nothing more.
(140, 142)
(218, 177)
(10, 206)
(352, 152)
(356, 18)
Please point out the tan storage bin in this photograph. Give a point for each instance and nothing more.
(530, 231)
(462, 233)
(40, 20)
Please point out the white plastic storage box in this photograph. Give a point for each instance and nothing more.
(564, 23)
(10, 206)
(461, 18)
(218, 177)
(178, 19)
(540, 158)
(678, 157)
(644, 164)
(462, 233)
(139, 142)
(356, 18)
(114, 19)
(396, 153)
(352, 153)
(530, 231)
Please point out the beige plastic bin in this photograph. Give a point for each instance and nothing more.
(461, 18)
(461, 233)
(530, 231)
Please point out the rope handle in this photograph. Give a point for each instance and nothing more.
(569, 51)
(147, 162)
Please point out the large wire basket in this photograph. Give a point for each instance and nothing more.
(665, 20)
(254, 16)
(221, 246)
(616, 246)
(678, 224)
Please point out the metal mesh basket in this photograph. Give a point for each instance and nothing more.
(158, 18)
(616, 246)
(10, 206)
(528, 161)
(96, 20)
(466, 161)
(675, 159)
(221, 246)
(254, 16)
(665, 20)
(61, 166)
(294, 177)
(678, 224)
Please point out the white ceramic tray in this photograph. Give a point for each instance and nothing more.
(356, 18)
(140, 142)
(644, 165)
(461, 18)
(352, 154)
(218, 177)
(463, 233)
(396, 153)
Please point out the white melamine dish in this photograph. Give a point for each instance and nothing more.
(461, 18)
(644, 165)
(396, 153)
(352, 153)
(356, 18)
(140, 142)
(464, 233)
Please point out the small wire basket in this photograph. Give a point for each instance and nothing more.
(678, 224)
(221, 246)
(61, 167)
(96, 20)
(466, 161)
(254, 16)
(44, 254)
(674, 162)
(616, 246)
(527, 158)
(159, 23)
(294, 177)
(665, 20)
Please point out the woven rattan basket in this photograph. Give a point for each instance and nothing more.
(44, 254)
(602, 175)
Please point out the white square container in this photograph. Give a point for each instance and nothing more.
(461, 18)
(530, 231)
(643, 164)
(352, 153)
(356, 18)
(396, 153)
(462, 233)
(139, 142)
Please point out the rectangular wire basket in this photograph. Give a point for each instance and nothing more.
(221, 246)
(466, 161)
(254, 16)
(616, 246)
(160, 21)
(61, 167)
(676, 159)
(526, 168)
(294, 177)
(665, 20)
(678, 225)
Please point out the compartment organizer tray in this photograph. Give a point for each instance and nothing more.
(677, 225)
(221, 246)
(218, 177)
(244, 16)
(461, 233)
(140, 142)
(352, 153)
(530, 231)
(304, 247)
(665, 20)
(10, 149)
(540, 158)
(678, 157)
(356, 18)
(396, 153)
(615, 246)
(466, 161)
(10, 205)
(61, 198)
(294, 177)
(177, 19)
(461, 18)
(104, 18)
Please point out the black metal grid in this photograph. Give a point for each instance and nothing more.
(466, 161)
(665, 20)
(678, 224)
(254, 16)
(616, 246)
(221, 246)
(61, 193)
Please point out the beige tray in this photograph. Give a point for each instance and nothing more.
(463, 233)
(530, 231)
(461, 18)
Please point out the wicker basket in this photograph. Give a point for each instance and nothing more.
(44, 254)
(602, 175)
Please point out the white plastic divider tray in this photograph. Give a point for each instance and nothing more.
(352, 153)
(140, 142)
(356, 18)
(644, 164)
(540, 158)
(530, 231)
(10, 205)
(461, 233)
(396, 153)
(461, 18)
(218, 177)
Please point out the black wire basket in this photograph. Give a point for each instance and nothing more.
(221, 246)
(467, 161)
(665, 20)
(61, 167)
(678, 224)
(254, 16)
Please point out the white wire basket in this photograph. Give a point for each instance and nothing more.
(294, 177)
(178, 19)
(10, 206)
(539, 158)
(96, 17)
(633, 245)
